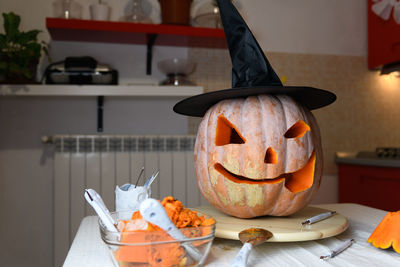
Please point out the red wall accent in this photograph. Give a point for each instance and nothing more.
(383, 39)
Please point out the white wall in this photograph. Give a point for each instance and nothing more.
(308, 26)
(328, 190)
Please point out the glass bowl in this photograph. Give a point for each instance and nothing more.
(176, 70)
(176, 66)
(156, 248)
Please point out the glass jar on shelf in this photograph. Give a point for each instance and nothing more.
(206, 14)
(67, 9)
(137, 13)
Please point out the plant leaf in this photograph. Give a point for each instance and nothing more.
(27, 73)
(15, 68)
(33, 50)
(2, 42)
(3, 67)
(11, 25)
(27, 37)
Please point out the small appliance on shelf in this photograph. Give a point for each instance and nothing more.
(80, 70)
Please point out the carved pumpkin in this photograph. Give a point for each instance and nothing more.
(259, 155)
(387, 233)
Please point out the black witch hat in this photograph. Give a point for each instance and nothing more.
(252, 74)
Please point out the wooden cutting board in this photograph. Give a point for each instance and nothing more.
(284, 229)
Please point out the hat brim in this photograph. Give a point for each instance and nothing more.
(311, 98)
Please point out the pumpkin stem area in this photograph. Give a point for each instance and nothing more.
(295, 182)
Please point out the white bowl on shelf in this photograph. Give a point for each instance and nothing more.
(176, 66)
(176, 70)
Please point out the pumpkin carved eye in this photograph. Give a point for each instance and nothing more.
(227, 133)
(297, 130)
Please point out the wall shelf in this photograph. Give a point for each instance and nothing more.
(134, 33)
(99, 90)
(125, 33)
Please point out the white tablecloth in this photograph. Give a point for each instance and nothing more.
(88, 249)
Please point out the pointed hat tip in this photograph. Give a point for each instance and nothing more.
(250, 67)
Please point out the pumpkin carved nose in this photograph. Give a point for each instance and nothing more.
(270, 156)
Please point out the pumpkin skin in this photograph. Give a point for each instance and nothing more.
(387, 233)
(239, 176)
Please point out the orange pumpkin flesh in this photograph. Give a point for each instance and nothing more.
(270, 156)
(227, 133)
(297, 130)
(296, 182)
(387, 233)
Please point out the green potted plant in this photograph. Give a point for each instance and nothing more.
(19, 52)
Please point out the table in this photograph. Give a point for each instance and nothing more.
(88, 249)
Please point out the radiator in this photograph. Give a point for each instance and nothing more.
(103, 161)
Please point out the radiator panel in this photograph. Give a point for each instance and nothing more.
(93, 176)
(61, 207)
(107, 181)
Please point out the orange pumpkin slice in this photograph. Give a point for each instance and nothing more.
(387, 233)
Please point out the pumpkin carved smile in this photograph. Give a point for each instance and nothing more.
(295, 182)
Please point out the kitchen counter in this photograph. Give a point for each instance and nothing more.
(88, 249)
(366, 158)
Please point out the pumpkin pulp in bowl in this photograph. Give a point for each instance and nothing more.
(139, 243)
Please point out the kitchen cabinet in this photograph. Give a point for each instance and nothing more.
(383, 33)
(374, 182)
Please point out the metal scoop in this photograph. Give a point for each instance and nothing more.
(150, 180)
(249, 237)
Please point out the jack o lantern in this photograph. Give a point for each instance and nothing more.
(259, 155)
(258, 148)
